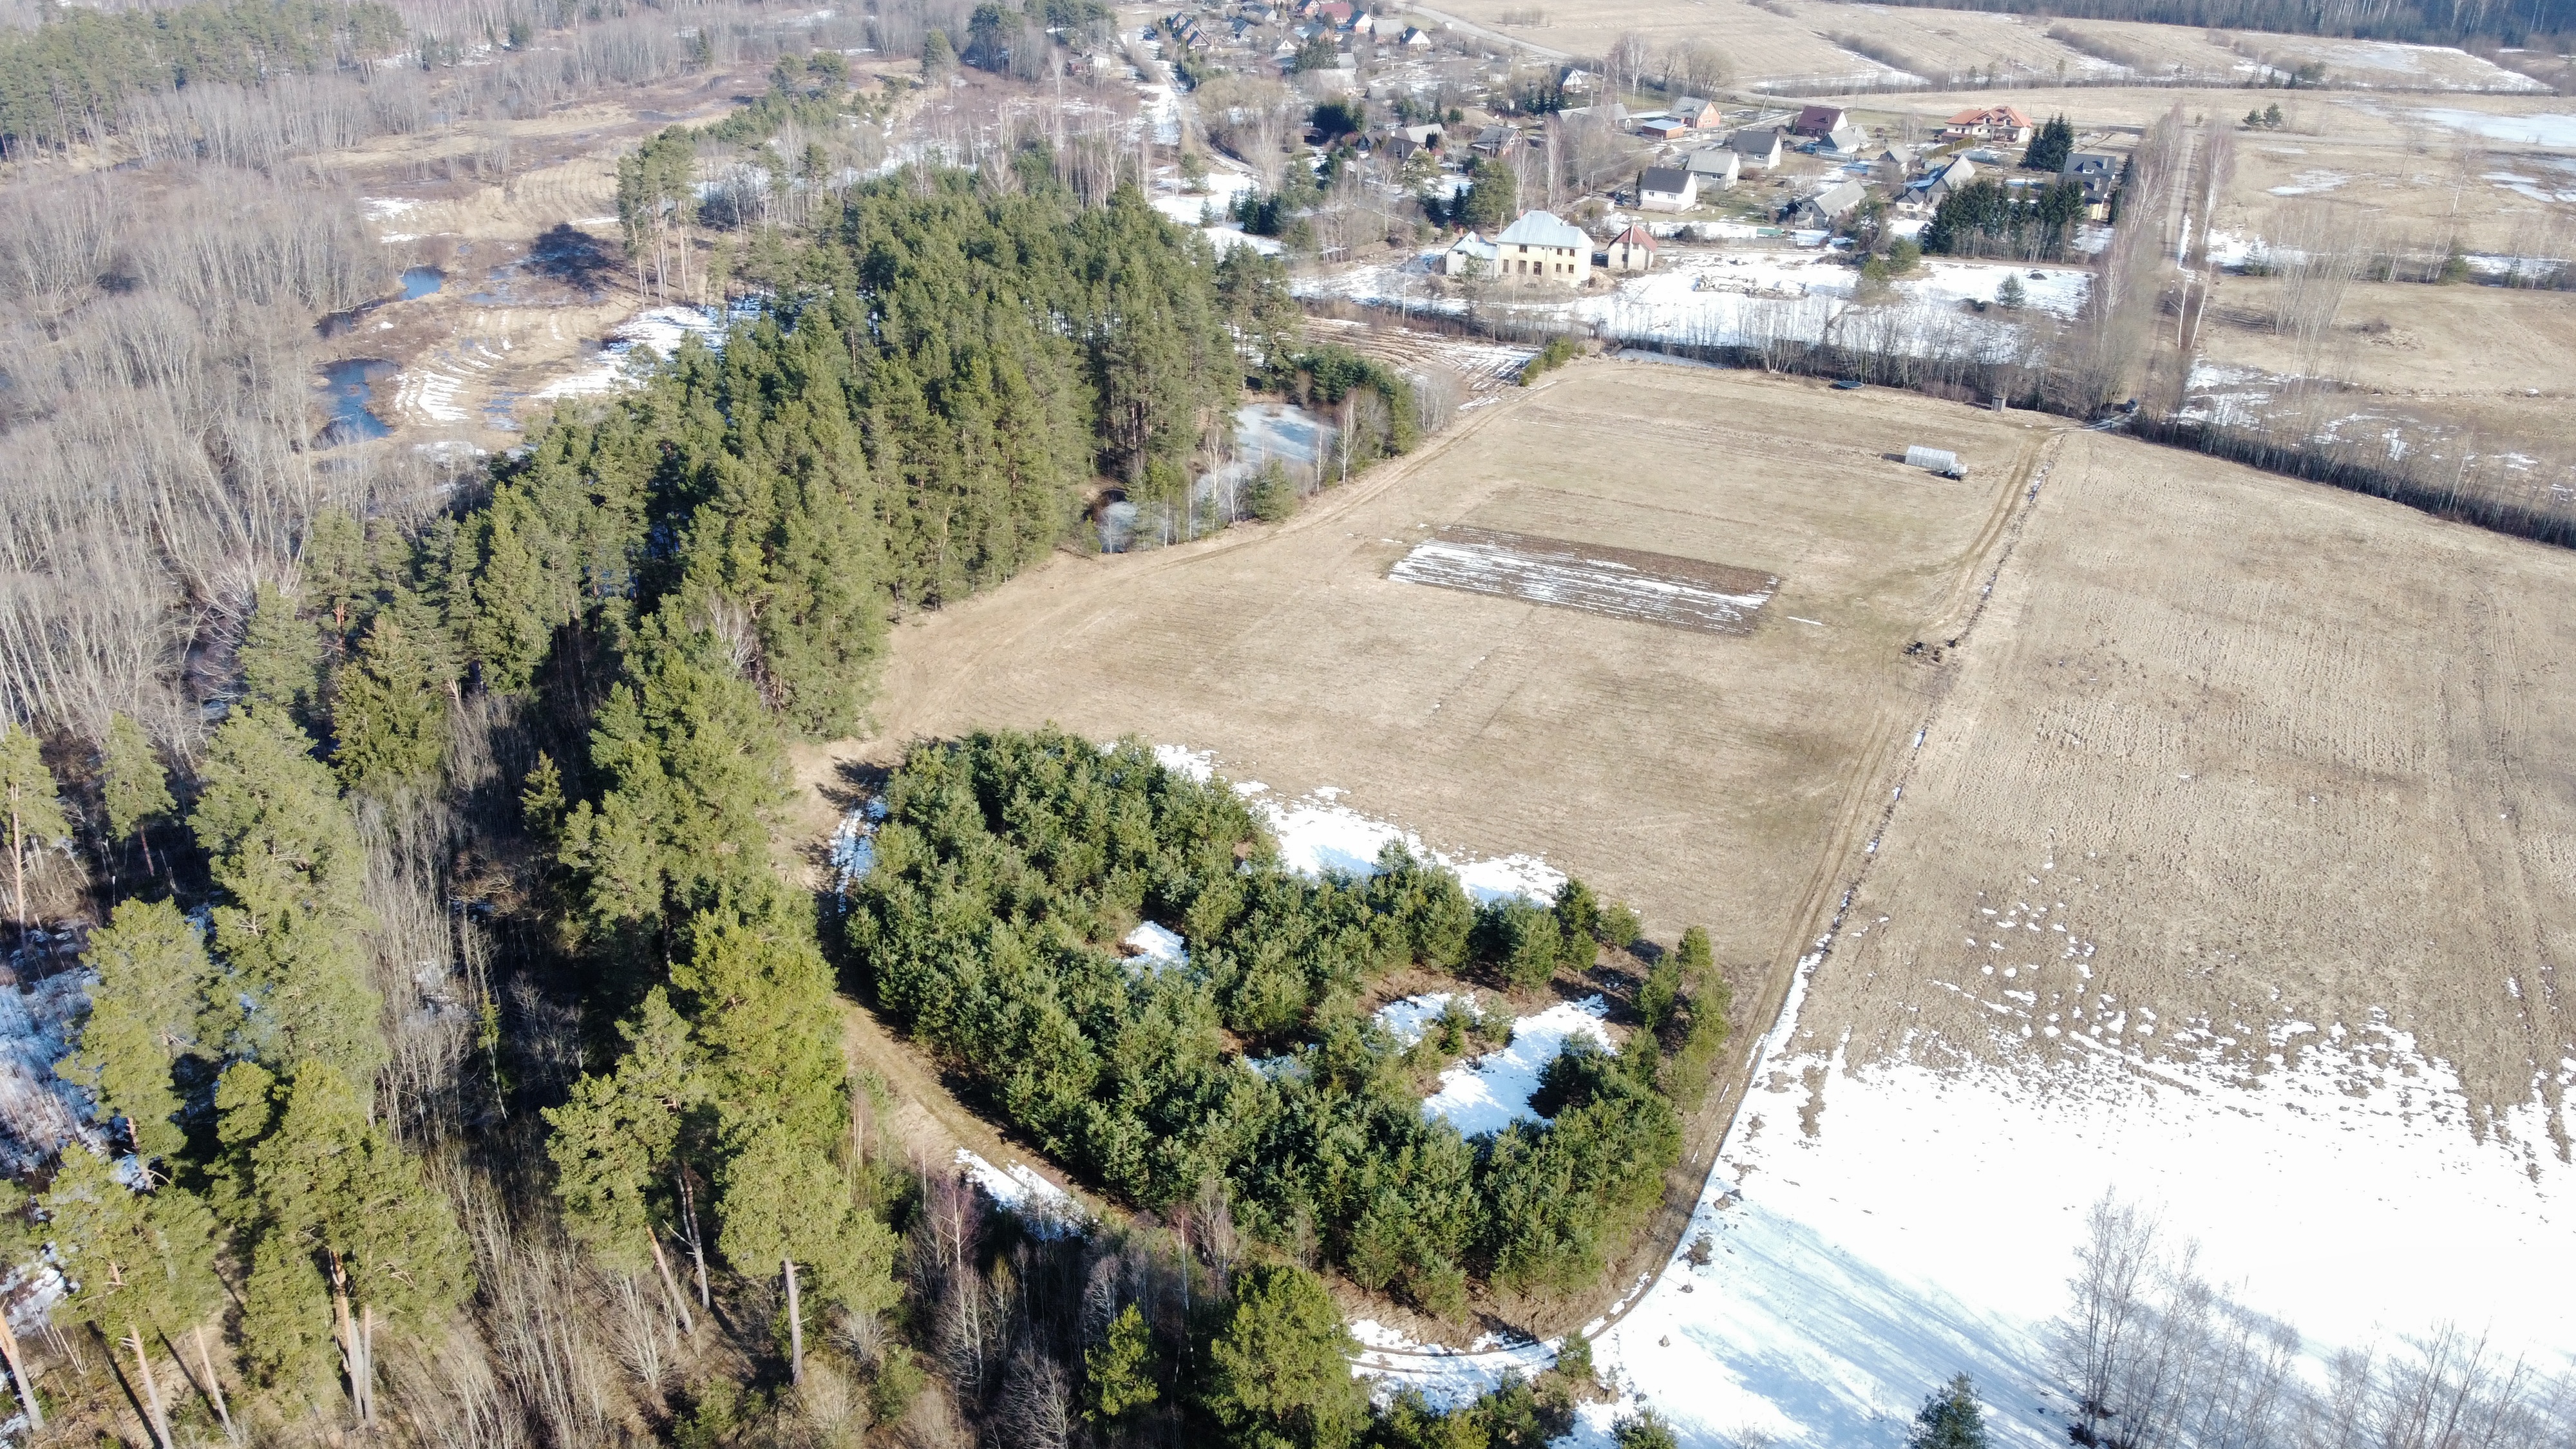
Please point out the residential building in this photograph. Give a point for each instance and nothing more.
(1632, 250)
(1423, 136)
(1716, 168)
(1496, 142)
(1541, 246)
(1471, 255)
(2099, 175)
(1667, 188)
(2002, 124)
(1949, 178)
(1817, 122)
(1416, 38)
(1846, 140)
(1830, 206)
(1892, 165)
(1578, 82)
(1697, 113)
(1757, 150)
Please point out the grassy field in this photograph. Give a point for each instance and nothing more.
(2264, 752)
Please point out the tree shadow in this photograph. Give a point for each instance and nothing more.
(564, 253)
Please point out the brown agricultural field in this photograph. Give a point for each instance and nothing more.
(2237, 750)
(1762, 45)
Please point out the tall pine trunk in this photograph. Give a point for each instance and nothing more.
(697, 1245)
(214, 1385)
(795, 1328)
(670, 1287)
(18, 1371)
(151, 1388)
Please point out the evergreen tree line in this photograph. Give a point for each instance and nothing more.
(2411, 21)
(1007, 865)
(1986, 218)
(71, 77)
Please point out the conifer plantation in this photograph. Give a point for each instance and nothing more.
(464, 1063)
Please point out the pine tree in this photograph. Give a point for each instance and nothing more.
(1279, 1373)
(1119, 1370)
(389, 715)
(283, 849)
(281, 655)
(139, 1266)
(1950, 1419)
(20, 1240)
(153, 977)
(34, 805)
(132, 783)
(347, 1238)
(613, 1143)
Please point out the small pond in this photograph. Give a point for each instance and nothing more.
(419, 282)
(348, 392)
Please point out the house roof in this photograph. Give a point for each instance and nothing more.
(1990, 116)
(2092, 163)
(1817, 120)
(1673, 179)
(1543, 229)
(1838, 198)
(1635, 236)
(1476, 246)
(1763, 141)
(1691, 105)
(1715, 161)
(1958, 173)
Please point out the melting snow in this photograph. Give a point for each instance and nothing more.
(1046, 1209)
(1494, 1091)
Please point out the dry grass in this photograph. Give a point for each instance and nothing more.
(1692, 774)
(2272, 750)
(1763, 45)
(1940, 44)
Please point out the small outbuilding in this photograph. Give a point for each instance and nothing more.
(1471, 256)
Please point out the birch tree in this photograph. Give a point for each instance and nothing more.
(138, 1266)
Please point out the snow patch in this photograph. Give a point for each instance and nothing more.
(1047, 1210)
(1494, 1091)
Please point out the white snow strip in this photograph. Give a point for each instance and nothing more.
(1409, 1019)
(1045, 1209)
(1157, 945)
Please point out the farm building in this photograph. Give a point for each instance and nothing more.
(1662, 128)
(1540, 245)
(1632, 250)
(1667, 188)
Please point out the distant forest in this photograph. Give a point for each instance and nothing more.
(2420, 22)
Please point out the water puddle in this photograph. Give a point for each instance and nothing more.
(419, 282)
(349, 392)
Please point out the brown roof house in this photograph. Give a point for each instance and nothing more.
(1819, 121)
(1990, 123)
(1632, 250)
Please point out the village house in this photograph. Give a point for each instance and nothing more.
(2099, 175)
(1539, 245)
(1715, 168)
(1416, 38)
(2001, 124)
(1828, 207)
(1845, 140)
(1697, 114)
(1471, 256)
(1632, 250)
(1819, 121)
(1496, 142)
(1756, 149)
(1662, 128)
(1667, 188)
(1892, 165)
(1428, 136)
(1577, 81)
(1938, 186)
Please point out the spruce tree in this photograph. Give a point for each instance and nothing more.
(138, 1266)
(1950, 1419)
(286, 855)
(1119, 1370)
(134, 787)
(34, 809)
(153, 976)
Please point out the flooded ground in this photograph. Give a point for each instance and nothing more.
(348, 400)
